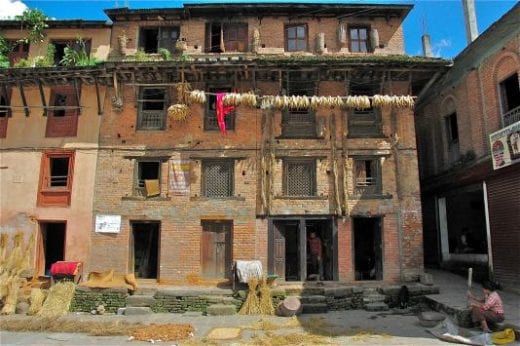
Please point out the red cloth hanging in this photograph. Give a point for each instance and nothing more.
(222, 111)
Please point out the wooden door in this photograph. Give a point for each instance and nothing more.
(216, 249)
(278, 251)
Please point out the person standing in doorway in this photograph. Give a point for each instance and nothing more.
(316, 254)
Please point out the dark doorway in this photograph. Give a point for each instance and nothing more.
(368, 248)
(52, 244)
(216, 249)
(303, 249)
(145, 249)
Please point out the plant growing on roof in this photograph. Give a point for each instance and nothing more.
(164, 53)
(4, 52)
(36, 22)
(76, 55)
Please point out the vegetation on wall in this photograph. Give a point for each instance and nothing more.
(36, 22)
(75, 54)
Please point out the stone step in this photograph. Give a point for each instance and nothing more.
(139, 300)
(374, 298)
(376, 307)
(315, 308)
(137, 310)
(221, 310)
(147, 291)
(314, 299)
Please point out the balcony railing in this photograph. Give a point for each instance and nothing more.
(511, 117)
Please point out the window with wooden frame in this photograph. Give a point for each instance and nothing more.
(151, 39)
(210, 116)
(226, 37)
(299, 177)
(152, 108)
(57, 170)
(63, 111)
(75, 44)
(148, 178)
(296, 37)
(5, 111)
(18, 50)
(297, 122)
(367, 176)
(217, 178)
(452, 136)
(359, 39)
(364, 122)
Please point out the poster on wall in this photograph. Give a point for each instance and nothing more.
(179, 176)
(108, 223)
(505, 146)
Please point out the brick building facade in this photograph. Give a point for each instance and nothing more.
(471, 206)
(188, 201)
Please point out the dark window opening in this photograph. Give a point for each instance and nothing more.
(152, 109)
(226, 37)
(18, 50)
(210, 116)
(52, 237)
(60, 100)
(76, 45)
(368, 249)
(452, 128)
(296, 38)
(59, 171)
(359, 39)
(367, 176)
(364, 122)
(148, 178)
(216, 249)
(510, 93)
(4, 114)
(145, 249)
(152, 39)
(300, 178)
(217, 178)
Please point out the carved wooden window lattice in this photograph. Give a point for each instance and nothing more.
(217, 178)
(152, 109)
(299, 177)
(299, 123)
(364, 122)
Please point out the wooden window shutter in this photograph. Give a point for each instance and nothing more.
(63, 123)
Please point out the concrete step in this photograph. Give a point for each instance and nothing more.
(221, 310)
(376, 307)
(314, 299)
(137, 310)
(318, 308)
(139, 300)
(374, 298)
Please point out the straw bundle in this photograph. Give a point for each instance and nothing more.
(58, 301)
(37, 298)
(179, 112)
(251, 305)
(266, 304)
(198, 96)
(9, 307)
(183, 92)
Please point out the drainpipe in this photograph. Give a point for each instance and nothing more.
(488, 229)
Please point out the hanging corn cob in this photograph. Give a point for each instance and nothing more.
(183, 92)
(249, 99)
(198, 96)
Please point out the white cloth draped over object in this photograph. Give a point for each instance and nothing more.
(248, 269)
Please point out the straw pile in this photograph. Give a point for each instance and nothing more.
(58, 301)
(179, 112)
(164, 332)
(266, 303)
(36, 299)
(109, 279)
(12, 265)
(251, 306)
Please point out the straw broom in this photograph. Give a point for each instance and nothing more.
(266, 304)
(251, 305)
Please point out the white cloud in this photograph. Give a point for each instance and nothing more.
(437, 47)
(11, 8)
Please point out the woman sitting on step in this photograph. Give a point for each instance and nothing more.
(487, 309)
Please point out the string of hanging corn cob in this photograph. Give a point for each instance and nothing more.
(183, 92)
(198, 96)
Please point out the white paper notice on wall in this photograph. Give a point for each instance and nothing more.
(108, 223)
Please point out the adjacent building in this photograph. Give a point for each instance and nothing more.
(468, 126)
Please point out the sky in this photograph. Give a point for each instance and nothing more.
(441, 19)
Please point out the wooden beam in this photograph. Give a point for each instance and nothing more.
(76, 94)
(42, 96)
(98, 99)
(24, 100)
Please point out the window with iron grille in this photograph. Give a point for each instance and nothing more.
(5, 112)
(299, 177)
(359, 39)
(217, 178)
(299, 123)
(364, 122)
(148, 178)
(152, 109)
(153, 38)
(296, 37)
(367, 176)
(210, 116)
(510, 99)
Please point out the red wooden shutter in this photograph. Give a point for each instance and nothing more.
(59, 125)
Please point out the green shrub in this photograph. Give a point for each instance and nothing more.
(165, 53)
